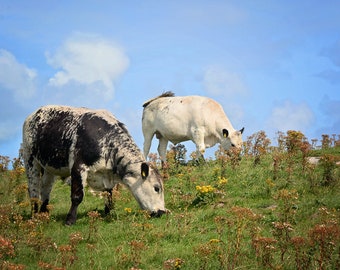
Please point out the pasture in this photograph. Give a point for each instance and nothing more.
(271, 209)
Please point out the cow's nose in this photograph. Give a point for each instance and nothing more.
(157, 213)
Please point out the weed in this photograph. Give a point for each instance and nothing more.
(282, 213)
(172, 264)
(257, 146)
(328, 164)
(264, 248)
(94, 218)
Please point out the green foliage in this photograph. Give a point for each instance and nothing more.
(278, 212)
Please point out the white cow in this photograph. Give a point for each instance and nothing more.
(178, 119)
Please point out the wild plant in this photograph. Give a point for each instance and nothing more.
(6, 249)
(205, 194)
(328, 164)
(326, 141)
(264, 249)
(4, 162)
(35, 236)
(277, 157)
(6, 265)
(173, 264)
(136, 249)
(208, 253)
(282, 233)
(233, 229)
(94, 218)
(257, 145)
(294, 140)
(287, 205)
(291, 148)
(177, 155)
(324, 239)
(68, 252)
(131, 257)
(301, 253)
(282, 228)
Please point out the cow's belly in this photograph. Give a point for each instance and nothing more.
(102, 180)
(173, 136)
(62, 172)
(176, 140)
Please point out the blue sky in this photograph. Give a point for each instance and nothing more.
(273, 65)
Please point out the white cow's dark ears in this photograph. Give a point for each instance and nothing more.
(144, 170)
(241, 130)
(225, 133)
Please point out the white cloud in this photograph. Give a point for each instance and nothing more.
(218, 81)
(89, 61)
(291, 116)
(16, 77)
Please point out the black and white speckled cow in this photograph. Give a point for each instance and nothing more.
(92, 147)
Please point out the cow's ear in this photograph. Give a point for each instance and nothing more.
(144, 170)
(225, 133)
(241, 130)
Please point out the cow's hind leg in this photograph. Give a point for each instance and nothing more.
(147, 144)
(77, 192)
(33, 170)
(163, 143)
(46, 187)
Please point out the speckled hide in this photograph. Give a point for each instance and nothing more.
(92, 147)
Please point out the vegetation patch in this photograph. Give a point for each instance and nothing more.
(264, 207)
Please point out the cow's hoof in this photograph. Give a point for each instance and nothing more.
(69, 223)
(69, 220)
(157, 213)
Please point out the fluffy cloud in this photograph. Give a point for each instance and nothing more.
(291, 116)
(89, 61)
(218, 81)
(16, 77)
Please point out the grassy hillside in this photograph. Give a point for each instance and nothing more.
(270, 209)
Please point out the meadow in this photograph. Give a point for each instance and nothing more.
(264, 208)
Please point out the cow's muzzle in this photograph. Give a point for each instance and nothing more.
(157, 213)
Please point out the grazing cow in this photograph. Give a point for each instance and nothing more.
(92, 147)
(177, 119)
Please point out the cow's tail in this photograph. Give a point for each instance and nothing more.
(165, 94)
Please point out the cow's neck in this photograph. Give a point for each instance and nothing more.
(124, 161)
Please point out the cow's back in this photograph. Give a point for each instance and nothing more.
(53, 133)
(179, 114)
(48, 134)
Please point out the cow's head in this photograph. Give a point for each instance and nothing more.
(146, 185)
(232, 138)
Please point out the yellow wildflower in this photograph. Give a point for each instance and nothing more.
(270, 183)
(214, 240)
(222, 180)
(205, 189)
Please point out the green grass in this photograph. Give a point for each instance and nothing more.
(257, 219)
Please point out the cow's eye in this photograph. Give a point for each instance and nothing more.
(157, 189)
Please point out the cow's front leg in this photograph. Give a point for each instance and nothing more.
(77, 192)
(198, 139)
(108, 202)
